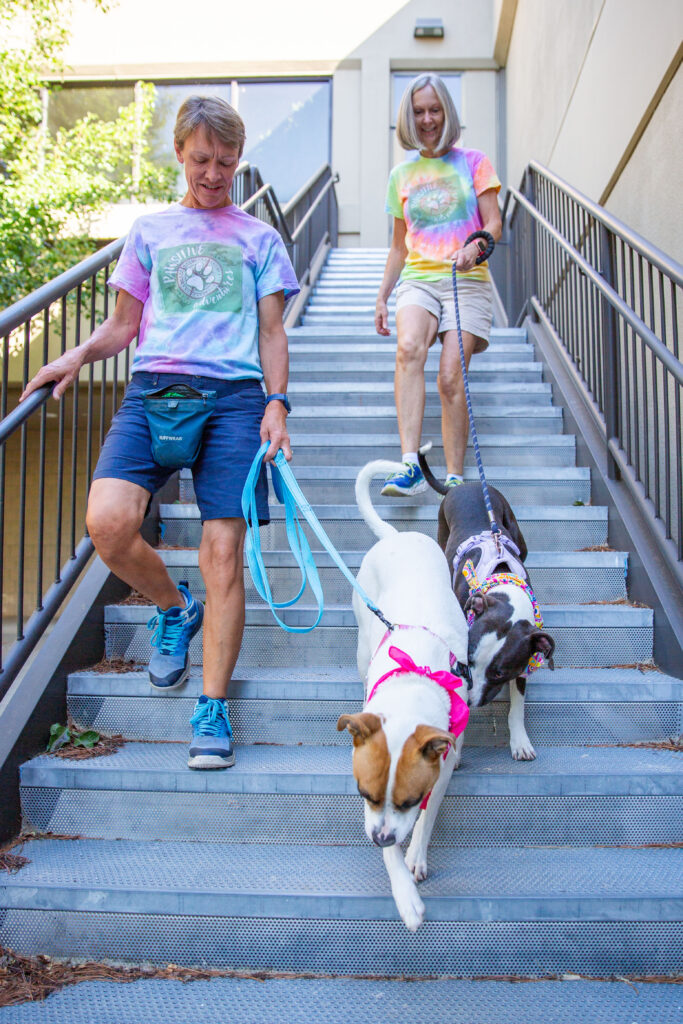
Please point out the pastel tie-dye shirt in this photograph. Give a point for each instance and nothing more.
(437, 198)
(200, 275)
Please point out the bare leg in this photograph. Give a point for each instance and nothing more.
(221, 562)
(416, 330)
(116, 509)
(454, 424)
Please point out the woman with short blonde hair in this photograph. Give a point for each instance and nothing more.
(437, 197)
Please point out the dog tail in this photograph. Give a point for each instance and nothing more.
(372, 469)
(428, 475)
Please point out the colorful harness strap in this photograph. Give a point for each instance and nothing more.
(498, 580)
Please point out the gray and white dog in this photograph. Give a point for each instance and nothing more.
(503, 635)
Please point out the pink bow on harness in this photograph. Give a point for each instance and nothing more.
(459, 713)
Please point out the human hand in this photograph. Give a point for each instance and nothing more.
(64, 371)
(466, 258)
(382, 318)
(274, 430)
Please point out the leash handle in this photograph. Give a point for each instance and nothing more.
(292, 497)
(495, 529)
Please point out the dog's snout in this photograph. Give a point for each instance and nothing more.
(383, 838)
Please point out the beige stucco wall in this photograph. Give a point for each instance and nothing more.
(647, 195)
(584, 84)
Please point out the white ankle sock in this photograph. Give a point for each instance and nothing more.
(453, 476)
(410, 457)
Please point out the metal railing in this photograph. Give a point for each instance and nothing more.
(612, 301)
(46, 466)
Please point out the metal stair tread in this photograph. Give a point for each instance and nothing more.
(604, 615)
(339, 1000)
(317, 440)
(535, 559)
(485, 771)
(323, 683)
(407, 510)
(273, 880)
(512, 473)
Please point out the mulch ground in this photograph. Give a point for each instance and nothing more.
(33, 978)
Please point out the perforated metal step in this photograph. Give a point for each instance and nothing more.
(582, 576)
(337, 1001)
(308, 795)
(561, 485)
(595, 635)
(545, 527)
(339, 449)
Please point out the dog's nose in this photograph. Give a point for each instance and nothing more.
(382, 838)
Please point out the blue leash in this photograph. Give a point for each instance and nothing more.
(292, 497)
(488, 238)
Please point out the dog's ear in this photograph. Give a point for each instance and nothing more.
(361, 726)
(545, 645)
(476, 603)
(433, 742)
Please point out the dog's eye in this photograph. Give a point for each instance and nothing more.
(370, 799)
(407, 804)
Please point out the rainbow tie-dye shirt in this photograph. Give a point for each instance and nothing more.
(437, 198)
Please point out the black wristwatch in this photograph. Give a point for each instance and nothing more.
(280, 398)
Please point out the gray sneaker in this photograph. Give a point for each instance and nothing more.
(211, 745)
(169, 665)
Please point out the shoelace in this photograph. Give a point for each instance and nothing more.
(208, 717)
(167, 633)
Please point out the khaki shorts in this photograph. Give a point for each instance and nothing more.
(474, 301)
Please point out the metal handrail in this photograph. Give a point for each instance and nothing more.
(307, 222)
(673, 365)
(611, 301)
(654, 255)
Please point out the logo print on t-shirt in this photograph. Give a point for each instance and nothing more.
(435, 202)
(205, 277)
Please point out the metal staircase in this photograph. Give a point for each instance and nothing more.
(563, 864)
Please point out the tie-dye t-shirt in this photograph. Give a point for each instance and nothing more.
(200, 275)
(437, 198)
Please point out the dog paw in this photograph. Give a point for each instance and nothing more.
(416, 862)
(411, 908)
(523, 751)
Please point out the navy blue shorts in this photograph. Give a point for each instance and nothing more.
(230, 441)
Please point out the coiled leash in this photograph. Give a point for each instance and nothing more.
(290, 495)
(484, 255)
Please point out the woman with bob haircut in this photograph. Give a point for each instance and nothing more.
(437, 198)
(203, 284)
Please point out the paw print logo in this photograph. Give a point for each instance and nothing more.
(199, 276)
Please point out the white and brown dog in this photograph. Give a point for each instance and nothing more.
(405, 742)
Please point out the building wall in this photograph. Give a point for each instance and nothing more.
(592, 94)
(356, 43)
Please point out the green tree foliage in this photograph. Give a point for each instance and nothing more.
(52, 187)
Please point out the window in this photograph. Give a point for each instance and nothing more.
(287, 122)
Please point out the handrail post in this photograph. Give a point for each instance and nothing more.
(530, 193)
(610, 355)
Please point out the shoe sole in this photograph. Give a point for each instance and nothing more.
(164, 688)
(391, 491)
(210, 761)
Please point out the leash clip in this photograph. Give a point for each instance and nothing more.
(390, 625)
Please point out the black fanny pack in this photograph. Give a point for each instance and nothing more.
(177, 415)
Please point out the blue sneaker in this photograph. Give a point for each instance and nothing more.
(405, 482)
(169, 666)
(211, 745)
(454, 481)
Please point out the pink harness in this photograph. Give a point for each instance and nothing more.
(459, 712)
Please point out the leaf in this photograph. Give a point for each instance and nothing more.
(59, 735)
(86, 739)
